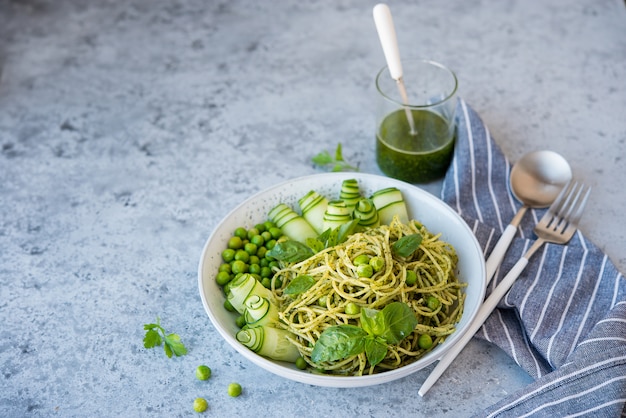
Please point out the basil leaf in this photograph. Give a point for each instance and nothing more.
(375, 350)
(299, 285)
(339, 342)
(315, 244)
(345, 230)
(372, 321)
(400, 321)
(290, 251)
(331, 239)
(407, 245)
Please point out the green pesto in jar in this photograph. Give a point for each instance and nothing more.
(414, 158)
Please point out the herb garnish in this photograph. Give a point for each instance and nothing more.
(156, 335)
(406, 245)
(292, 251)
(337, 163)
(377, 330)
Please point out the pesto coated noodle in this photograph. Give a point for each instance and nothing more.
(337, 284)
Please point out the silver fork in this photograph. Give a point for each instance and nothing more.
(557, 226)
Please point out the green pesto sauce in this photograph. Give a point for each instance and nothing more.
(414, 158)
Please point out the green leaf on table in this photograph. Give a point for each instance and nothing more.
(335, 163)
(156, 335)
(174, 345)
(151, 339)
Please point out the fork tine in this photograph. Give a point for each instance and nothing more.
(577, 212)
(567, 209)
(551, 215)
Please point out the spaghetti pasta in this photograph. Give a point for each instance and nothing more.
(337, 285)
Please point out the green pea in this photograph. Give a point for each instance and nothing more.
(352, 308)
(377, 263)
(361, 260)
(266, 272)
(257, 240)
(250, 248)
(264, 262)
(411, 278)
(241, 233)
(252, 232)
(432, 303)
(254, 269)
(266, 282)
(260, 227)
(261, 252)
(222, 278)
(268, 225)
(203, 372)
(276, 232)
(234, 389)
(238, 267)
(254, 259)
(240, 321)
(235, 243)
(266, 235)
(301, 363)
(226, 289)
(270, 244)
(277, 283)
(242, 255)
(225, 267)
(273, 265)
(365, 270)
(322, 301)
(228, 255)
(200, 405)
(425, 341)
(229, 306)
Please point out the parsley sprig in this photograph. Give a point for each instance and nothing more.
(156, 335)
(335, 163)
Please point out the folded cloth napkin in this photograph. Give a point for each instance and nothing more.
(564, 319)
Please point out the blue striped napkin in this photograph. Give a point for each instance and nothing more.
(564, 320)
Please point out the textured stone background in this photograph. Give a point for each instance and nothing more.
(129, 129)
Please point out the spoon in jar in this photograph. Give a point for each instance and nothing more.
(388, 40)
(536, 180)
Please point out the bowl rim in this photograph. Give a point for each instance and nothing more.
(281, 368)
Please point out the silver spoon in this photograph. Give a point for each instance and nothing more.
(536, 180)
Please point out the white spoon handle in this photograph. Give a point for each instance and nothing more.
(497, 254)
(388, 40)
(483, 313)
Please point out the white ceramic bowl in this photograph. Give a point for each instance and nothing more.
(432, 212)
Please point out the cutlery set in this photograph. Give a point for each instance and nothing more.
(557, 226)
